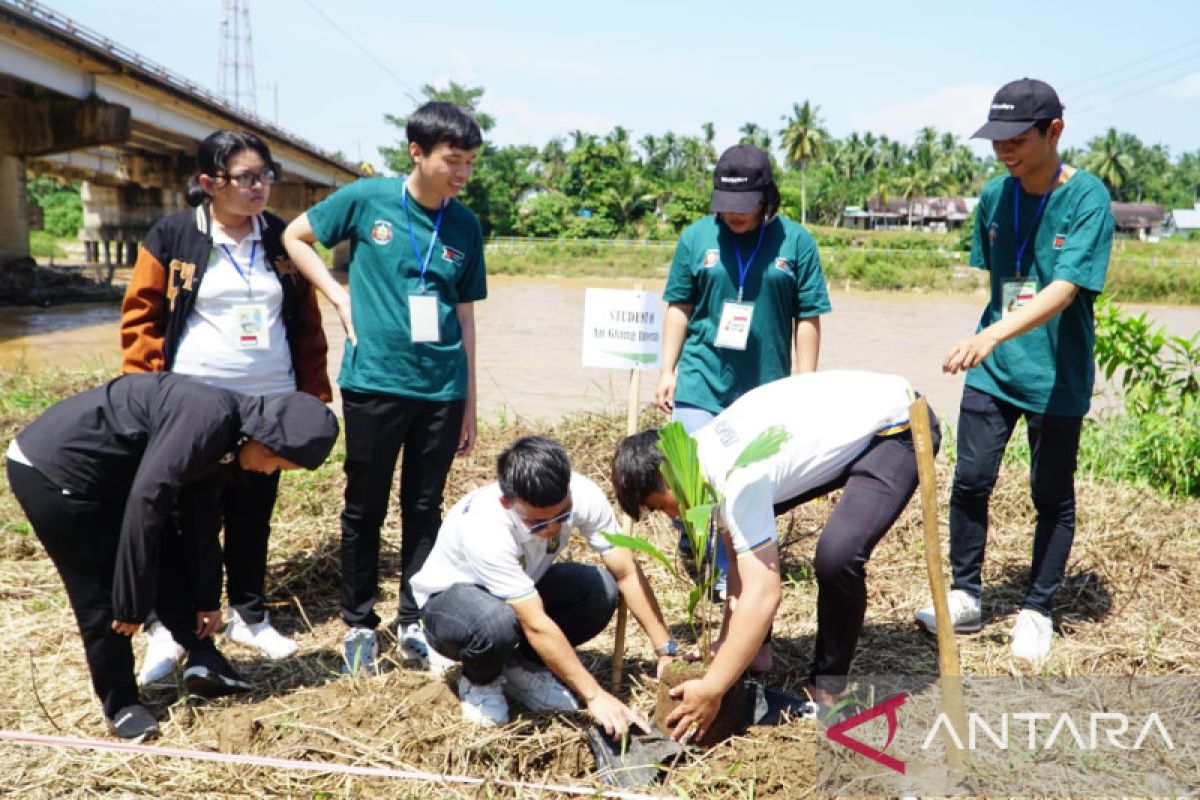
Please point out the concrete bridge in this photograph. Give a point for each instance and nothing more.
(76, 104)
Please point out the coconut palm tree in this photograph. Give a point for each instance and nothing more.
(755, 134)
(1109, 161)
(803, 141)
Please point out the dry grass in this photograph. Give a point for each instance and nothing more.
(1125, 609)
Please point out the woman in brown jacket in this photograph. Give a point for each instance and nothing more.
(214, 296)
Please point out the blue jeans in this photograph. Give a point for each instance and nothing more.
(693, 418)
(985, 424)
(467, 623)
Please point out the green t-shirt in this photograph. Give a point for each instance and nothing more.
(784, 282)
(385, 272)
(1048, 370)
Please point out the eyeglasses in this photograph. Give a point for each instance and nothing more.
(248, 180)
(538, 527)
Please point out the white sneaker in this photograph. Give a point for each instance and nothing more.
(414, 647)
(162, 655)
(483, 703)
(1032, 636)
(262, 636)
(537, 689)
(965, 613)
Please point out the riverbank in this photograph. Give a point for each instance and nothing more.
(530, 337)
(889, 261)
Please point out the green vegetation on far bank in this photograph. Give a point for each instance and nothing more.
(1140, 272)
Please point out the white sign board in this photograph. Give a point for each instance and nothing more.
(622, 329)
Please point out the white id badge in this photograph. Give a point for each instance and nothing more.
(252, 331)
(734, 329)
(423, 318)
(1015, 293)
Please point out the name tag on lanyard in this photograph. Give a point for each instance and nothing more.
(1020, 290)
(424, 322)
(252, 329)
(733, 331)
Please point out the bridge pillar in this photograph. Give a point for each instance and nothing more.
(116, 218)
(38, 126)
(290, 200)
(14, 210)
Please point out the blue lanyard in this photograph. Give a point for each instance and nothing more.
(249, 267)
(744, 267)
(412, 235)
(1037, 215)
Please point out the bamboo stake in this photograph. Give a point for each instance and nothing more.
(631, 421)
(949, 666)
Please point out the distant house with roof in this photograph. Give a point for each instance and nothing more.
(930, 213)
(1183, 221)
(1138, 220)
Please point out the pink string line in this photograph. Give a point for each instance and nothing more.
(310, 766)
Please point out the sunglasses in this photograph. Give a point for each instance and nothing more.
(538, 527)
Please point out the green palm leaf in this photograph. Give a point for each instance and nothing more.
(640, 545)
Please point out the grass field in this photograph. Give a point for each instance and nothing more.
(1127, 608)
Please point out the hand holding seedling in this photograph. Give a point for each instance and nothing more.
(698, 705)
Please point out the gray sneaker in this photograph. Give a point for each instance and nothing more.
(133, 723)
(965, 613)
(537, 689)
(360, 652)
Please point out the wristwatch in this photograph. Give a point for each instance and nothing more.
(670, 648)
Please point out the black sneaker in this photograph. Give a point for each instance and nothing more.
(209, 675)
(133, 723)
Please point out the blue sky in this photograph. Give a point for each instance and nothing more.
(553, 67)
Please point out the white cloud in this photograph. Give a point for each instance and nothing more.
(1186, 88)
(959, 109)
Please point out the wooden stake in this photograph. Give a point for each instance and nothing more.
(631, 421)
(948, 664)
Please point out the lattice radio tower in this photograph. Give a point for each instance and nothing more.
(235, 70)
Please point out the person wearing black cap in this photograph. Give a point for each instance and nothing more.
(745, 289)
(1044, 232)
(99, 476)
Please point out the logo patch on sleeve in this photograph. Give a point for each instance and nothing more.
(785, 264)
(711, 258)
(453, 256)
(993, 232)
(381, 232)
(1059, 240)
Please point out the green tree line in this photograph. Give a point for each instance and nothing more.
(584, 185)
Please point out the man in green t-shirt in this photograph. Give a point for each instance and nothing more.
(1044, 232)
(408, 369)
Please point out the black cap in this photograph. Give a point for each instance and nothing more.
(742, 175)
(294, 425)
(1017, 106)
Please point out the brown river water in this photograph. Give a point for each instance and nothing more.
(530, 338)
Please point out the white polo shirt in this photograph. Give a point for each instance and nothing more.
(207, 350)
(830, 418)
(483, 543)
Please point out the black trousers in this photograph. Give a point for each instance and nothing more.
(247, 502)
(876, 487)
(378, 428)
(81, 535)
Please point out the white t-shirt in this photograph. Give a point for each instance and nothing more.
(483, 543)
(208, 349)
(830, 418)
